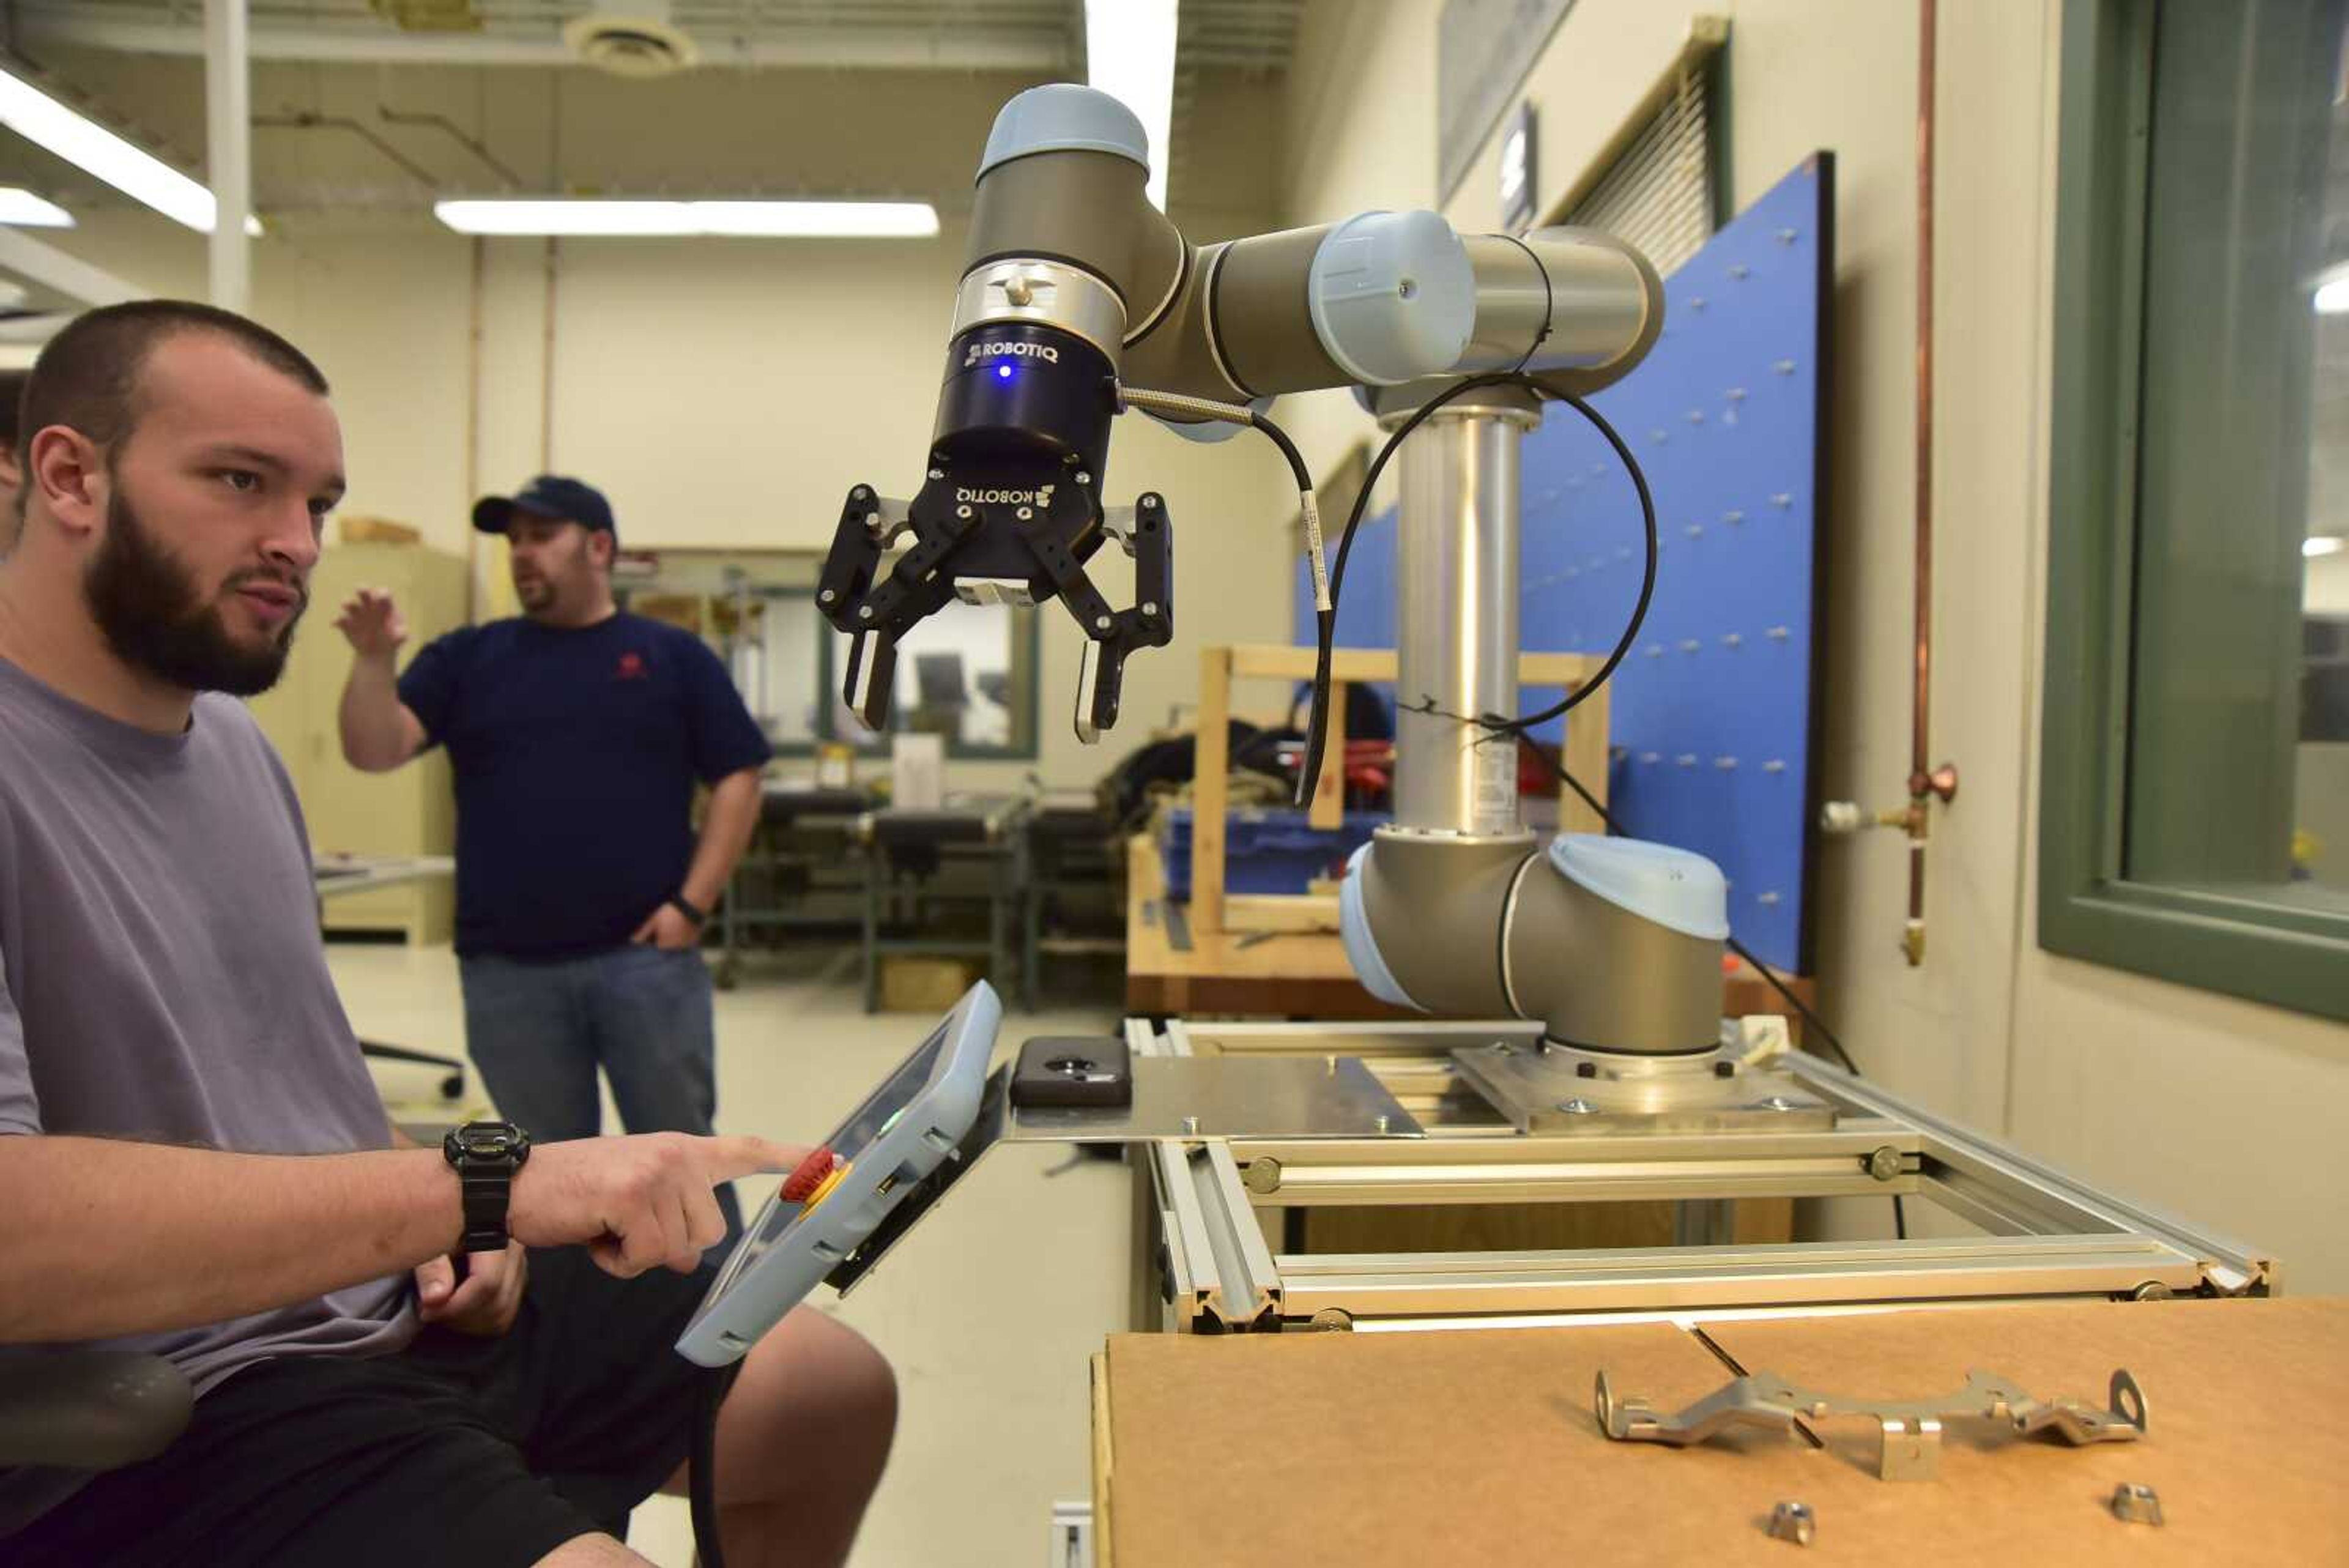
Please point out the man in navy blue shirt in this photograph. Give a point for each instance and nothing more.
(577, 733)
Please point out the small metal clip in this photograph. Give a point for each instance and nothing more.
(1794, 1521)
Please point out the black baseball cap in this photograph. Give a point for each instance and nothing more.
(552, 496)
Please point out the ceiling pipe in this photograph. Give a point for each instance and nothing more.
(39, 261)
(228, 151)
(1038, 50)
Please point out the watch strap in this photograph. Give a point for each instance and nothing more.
(689, 909)
(487, 1189)
(485, 1155)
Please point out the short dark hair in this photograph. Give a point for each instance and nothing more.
(86, 378)
(12, 398)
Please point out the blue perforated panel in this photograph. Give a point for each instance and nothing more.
(1713, 713)
(1366, 609)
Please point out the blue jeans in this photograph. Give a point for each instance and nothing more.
(538, 1031)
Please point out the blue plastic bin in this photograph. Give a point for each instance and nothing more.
(1266, 851)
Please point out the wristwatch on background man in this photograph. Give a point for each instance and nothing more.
(485, 1155)
(689, 909)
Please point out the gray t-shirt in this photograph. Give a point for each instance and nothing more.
(161, 977)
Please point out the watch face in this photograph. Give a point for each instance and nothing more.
(489, 1140)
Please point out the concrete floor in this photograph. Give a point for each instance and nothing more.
(989, 1311)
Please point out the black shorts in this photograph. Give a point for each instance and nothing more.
(492, 1452)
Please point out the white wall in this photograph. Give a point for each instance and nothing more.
(2224, 1111)
(2328, 584)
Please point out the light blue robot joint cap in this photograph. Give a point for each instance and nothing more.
(1361, 943)
(1392, 296)
(1678, 889)
(1062, 116)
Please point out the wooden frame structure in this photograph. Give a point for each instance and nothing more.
(1213, 909)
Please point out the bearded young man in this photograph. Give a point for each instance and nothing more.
(390, 1367)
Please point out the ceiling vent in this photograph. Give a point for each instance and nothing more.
(631, 39)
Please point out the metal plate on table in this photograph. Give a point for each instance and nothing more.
(1543, 1093)
(1229, 1097)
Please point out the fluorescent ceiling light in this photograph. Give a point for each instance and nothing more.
(1130, 55)
(2332, 296)
(772, 220)
(21, 208)
(92, 148)
(2321, 545)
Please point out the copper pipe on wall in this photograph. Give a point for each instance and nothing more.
(1925, 781)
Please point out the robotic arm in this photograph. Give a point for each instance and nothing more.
(1079, 301)
(1076, 289)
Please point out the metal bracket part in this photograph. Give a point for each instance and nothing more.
(1794, 1521)
(890, 517)
(1911, 1430)
(1118, 522)
(2134, 1504)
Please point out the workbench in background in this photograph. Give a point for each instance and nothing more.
(1070, 906)
(802, 872)
(968, 854)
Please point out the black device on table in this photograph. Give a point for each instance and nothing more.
(1073, 1070)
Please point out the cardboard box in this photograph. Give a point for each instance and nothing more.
(358, 529)
(920, 983)
(917, 772)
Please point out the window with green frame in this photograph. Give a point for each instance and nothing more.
(2195, 807)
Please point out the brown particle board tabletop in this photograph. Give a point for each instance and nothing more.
(1478, 1447)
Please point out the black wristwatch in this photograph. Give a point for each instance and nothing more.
(691, 910)
(485, 1155)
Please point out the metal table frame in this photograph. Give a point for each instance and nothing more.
(781, 842)
(1051, 873)
(1002, 848)
(2048, 1236)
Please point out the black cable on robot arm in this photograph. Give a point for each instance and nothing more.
(1325, 621)
(1630, 636)
(1810, 1019)
(1303, 475)
(1317, 728)
(1316, 738)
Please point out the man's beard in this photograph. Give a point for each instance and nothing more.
(156, 619)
